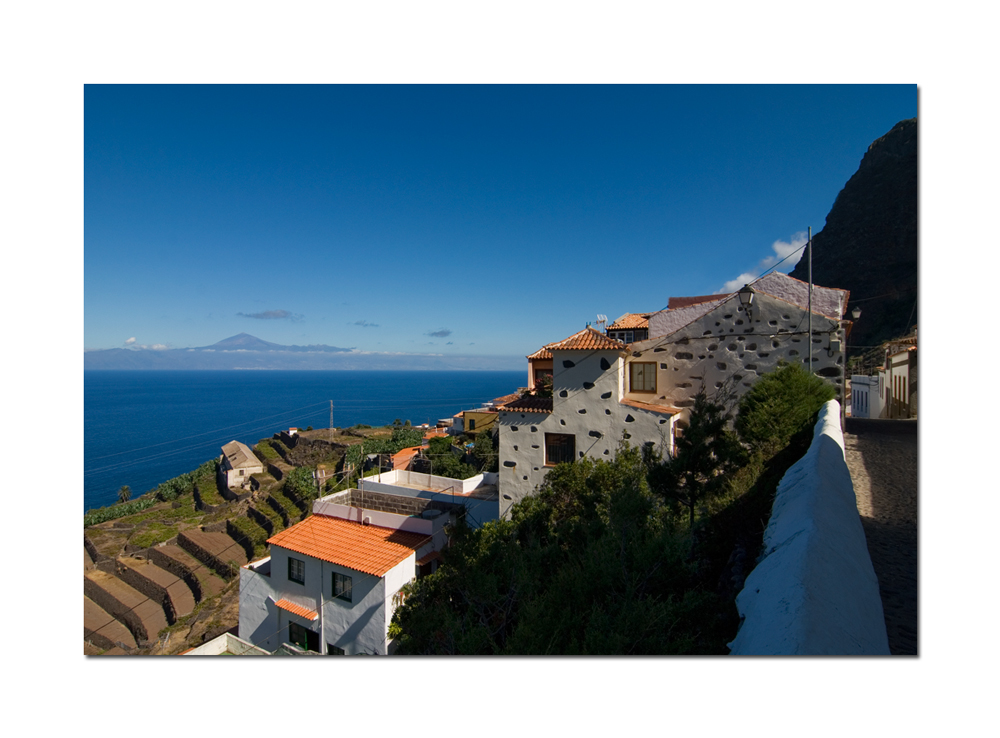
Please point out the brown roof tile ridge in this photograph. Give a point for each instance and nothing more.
(587, 339)
(651, 407)
(678, 302)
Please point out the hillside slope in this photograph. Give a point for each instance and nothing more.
(869, 242)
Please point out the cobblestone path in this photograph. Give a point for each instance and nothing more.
(882, 458)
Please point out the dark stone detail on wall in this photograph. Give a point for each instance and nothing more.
(605, 452)
(534, 429)
(703, 356)
(684, 355)
(684, 385)
(718, 384)
(514, 428)
(728, 316)
(796, 340)
(658, 349)
(581, 454)
(637, 353)
(629, 419)
(563, 393)
(605, 364)
(662, 421)
(829, 371)
(606, 396)
(775, 344)
(751, 367)
(751, 347)
(662, 365)
(525, 477)
(535, 445)
(596, 434)
(772, 322)
(684, 341)
(510, 463)
(731, 347)
(626, 436)
(737, 377)
(707, 333)
(567, 364)
(536, 468)
(515, 448)
(607, 412)
(562, 422)
(786, 317)
(684, 403)
(763, 354)
(582, 411)
(713, 346)
(720, 365)
(793, 352)
(588, 385)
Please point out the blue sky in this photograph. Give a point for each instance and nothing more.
(482, 220)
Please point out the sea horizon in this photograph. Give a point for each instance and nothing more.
(145, 426)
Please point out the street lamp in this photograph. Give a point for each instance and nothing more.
(856, 313)
(746, 298)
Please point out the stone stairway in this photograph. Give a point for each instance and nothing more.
(143, 616)
(102, 630)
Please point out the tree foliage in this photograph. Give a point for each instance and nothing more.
(592, 564)
(779, 405)
(125, 493)
(705, 454)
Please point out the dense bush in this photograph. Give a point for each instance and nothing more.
(592, 564)
(401, 438)
(113, 512)
(779, 405)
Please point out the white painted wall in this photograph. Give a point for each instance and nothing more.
(585, 404)
(360, 626)
(814, 592)
(724, 348)
(865, 401)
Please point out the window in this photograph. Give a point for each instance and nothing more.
(642, 376)
(296, 570)
(302, 637)
(472, 424)
(342, 587)
(559, 448)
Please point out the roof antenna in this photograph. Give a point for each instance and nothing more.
(602, 321)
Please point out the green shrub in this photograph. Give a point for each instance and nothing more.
(253, 532)
(113, 512)
(778, 406)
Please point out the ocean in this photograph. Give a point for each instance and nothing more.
(144, 427)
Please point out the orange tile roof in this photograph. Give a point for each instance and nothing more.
(631, 320)
(542, 353)
(429, 558)
(505, 399)
(302, 612)
(663, 409)
(586, 340)
(529, 404)
(366, 548)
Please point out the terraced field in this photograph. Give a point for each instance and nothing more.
(166, 579)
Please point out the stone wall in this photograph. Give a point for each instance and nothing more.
(125, 615)
(152, 590)
(814, 590)
(167, 563)
(222, 568)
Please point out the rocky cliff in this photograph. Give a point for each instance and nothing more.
(869, 242)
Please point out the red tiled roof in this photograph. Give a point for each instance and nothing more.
(529, 404)
(542, 353)
(302, 612)
(587, 340)
(428, 558)
(629, 321)
(505, 399)
(662, 409)
(366, 548)
(680, 302)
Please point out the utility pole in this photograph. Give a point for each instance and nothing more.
(331, 421)
(810, 249)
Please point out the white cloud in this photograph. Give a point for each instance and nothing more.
(130, 341)
(782, 249)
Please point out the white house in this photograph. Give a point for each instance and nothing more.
(592, 408)
(238, 463)
(605, 390)
(866, 399)
(331, 580)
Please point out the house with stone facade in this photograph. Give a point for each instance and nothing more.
(606, 391)
(237, 464)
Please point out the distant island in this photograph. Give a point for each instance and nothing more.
(244, 351)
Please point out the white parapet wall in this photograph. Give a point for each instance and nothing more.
(814, 591)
